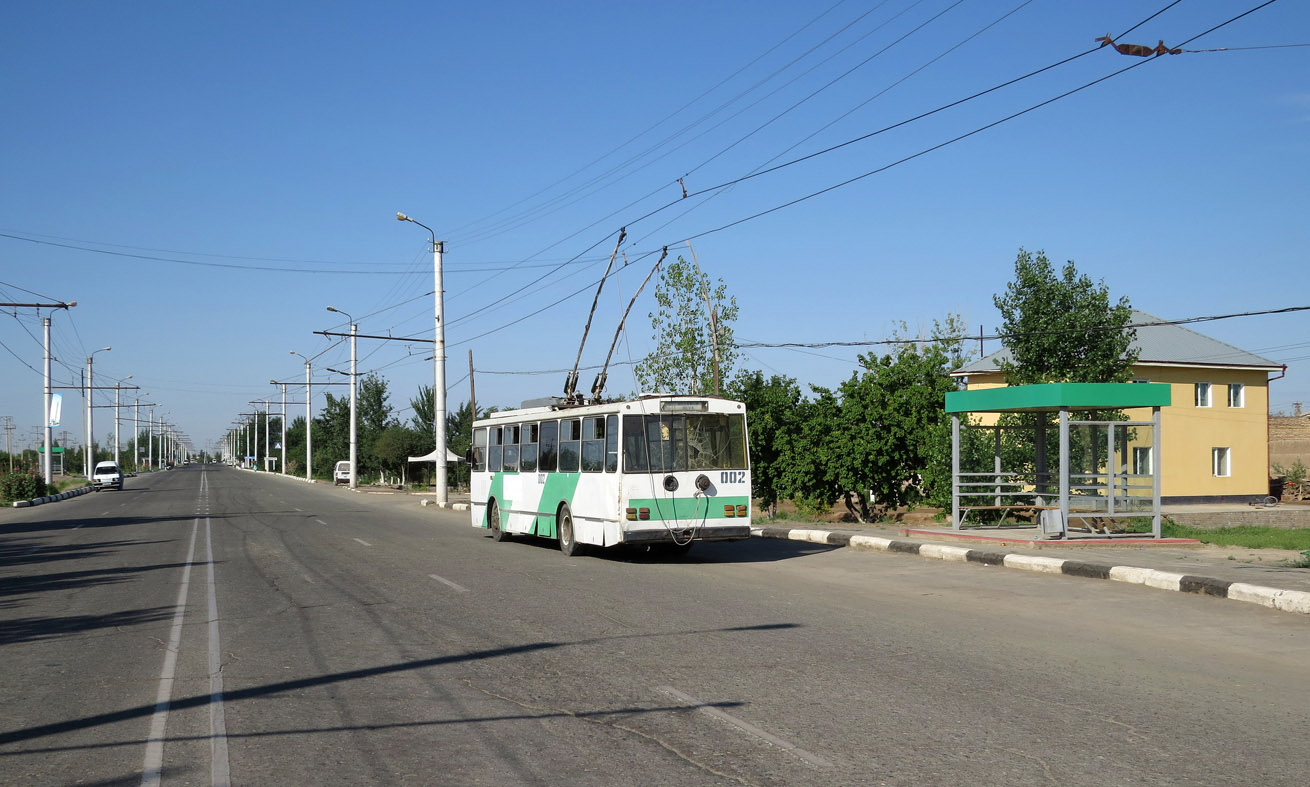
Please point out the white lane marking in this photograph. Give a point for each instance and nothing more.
(219, 770)
(810, 757)
(362, 541)
(445, 581)
(321, 522)
(154, 758)
(299, 509)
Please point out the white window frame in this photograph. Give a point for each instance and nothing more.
(1240, 399)
(1203, 394)
(1140, 452)
(1221, 459)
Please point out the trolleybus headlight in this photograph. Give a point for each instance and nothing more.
(702, 482)
(670, 484)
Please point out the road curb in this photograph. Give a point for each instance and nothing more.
(55, 498)
(1272, 598)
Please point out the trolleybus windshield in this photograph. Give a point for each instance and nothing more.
(664, 443)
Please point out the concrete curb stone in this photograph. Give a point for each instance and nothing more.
(1272, 598)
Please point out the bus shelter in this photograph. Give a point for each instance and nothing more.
(1108, 469)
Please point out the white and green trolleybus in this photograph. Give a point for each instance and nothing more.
(664, 471)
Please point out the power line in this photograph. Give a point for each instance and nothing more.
(948, 339)
(229, 266)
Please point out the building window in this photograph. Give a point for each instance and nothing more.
(1142, 460)
(1141, 381)
(1236, 395)
(1202, 394)
(1221, 462)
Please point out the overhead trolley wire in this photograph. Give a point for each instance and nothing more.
(890, 165)
(538, 211)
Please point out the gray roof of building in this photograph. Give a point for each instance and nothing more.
(1161, 344)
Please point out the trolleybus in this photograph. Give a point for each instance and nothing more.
(664, 471)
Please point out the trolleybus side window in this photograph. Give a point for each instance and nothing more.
(611, 443)
(570, 431)
(593, 444)
(493, 449)
(634, 445)
(548, 439)
(528, 448)
(480, 450)
(511, 460)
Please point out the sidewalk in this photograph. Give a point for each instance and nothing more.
(1252, 575)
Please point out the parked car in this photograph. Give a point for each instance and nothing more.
(106, 474)
(341, 473)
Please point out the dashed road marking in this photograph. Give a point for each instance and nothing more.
(447, 582)
(810, 757)
(362, 541)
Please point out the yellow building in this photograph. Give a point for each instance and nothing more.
(1215, 435)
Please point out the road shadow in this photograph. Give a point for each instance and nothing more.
(331, 678)
(92, 522)
(29, 551)
(77, 580)
(750, 550)
(36, 629)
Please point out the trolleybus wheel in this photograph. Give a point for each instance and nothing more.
(564, 524)
(493, 522)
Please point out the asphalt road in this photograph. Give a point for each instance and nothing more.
(208, 625)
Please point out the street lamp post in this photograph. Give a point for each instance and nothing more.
(309, 422)
(439, 364)
(354, 329)
(90, 410)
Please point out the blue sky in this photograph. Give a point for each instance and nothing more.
(204, 179)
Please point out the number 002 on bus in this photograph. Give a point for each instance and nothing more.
(664, 471)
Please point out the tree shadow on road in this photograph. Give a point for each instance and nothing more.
(300, 684)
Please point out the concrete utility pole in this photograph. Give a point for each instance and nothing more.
(439, 363)
(309, 422)
(9, 450)
(90, 410)
(45, 409)
(284, 423)
(118, 447)
(354, 386)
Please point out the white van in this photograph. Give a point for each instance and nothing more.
(106, 474)
(341, 473)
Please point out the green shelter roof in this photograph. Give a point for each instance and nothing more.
(1055, 396)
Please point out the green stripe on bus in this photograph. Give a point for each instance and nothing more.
(689, 507)
(497, 493)
(559, 487)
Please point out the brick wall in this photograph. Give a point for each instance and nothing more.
(1289, 440)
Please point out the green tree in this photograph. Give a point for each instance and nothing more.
(459, 432)
(683, 359)
(869, 442)
(393, 447)
(772, 410)
(1063, 328)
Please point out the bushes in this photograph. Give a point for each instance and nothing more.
(22, 485)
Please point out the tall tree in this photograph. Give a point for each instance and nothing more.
(683, 359)
(1063, 328)
(772, 409)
